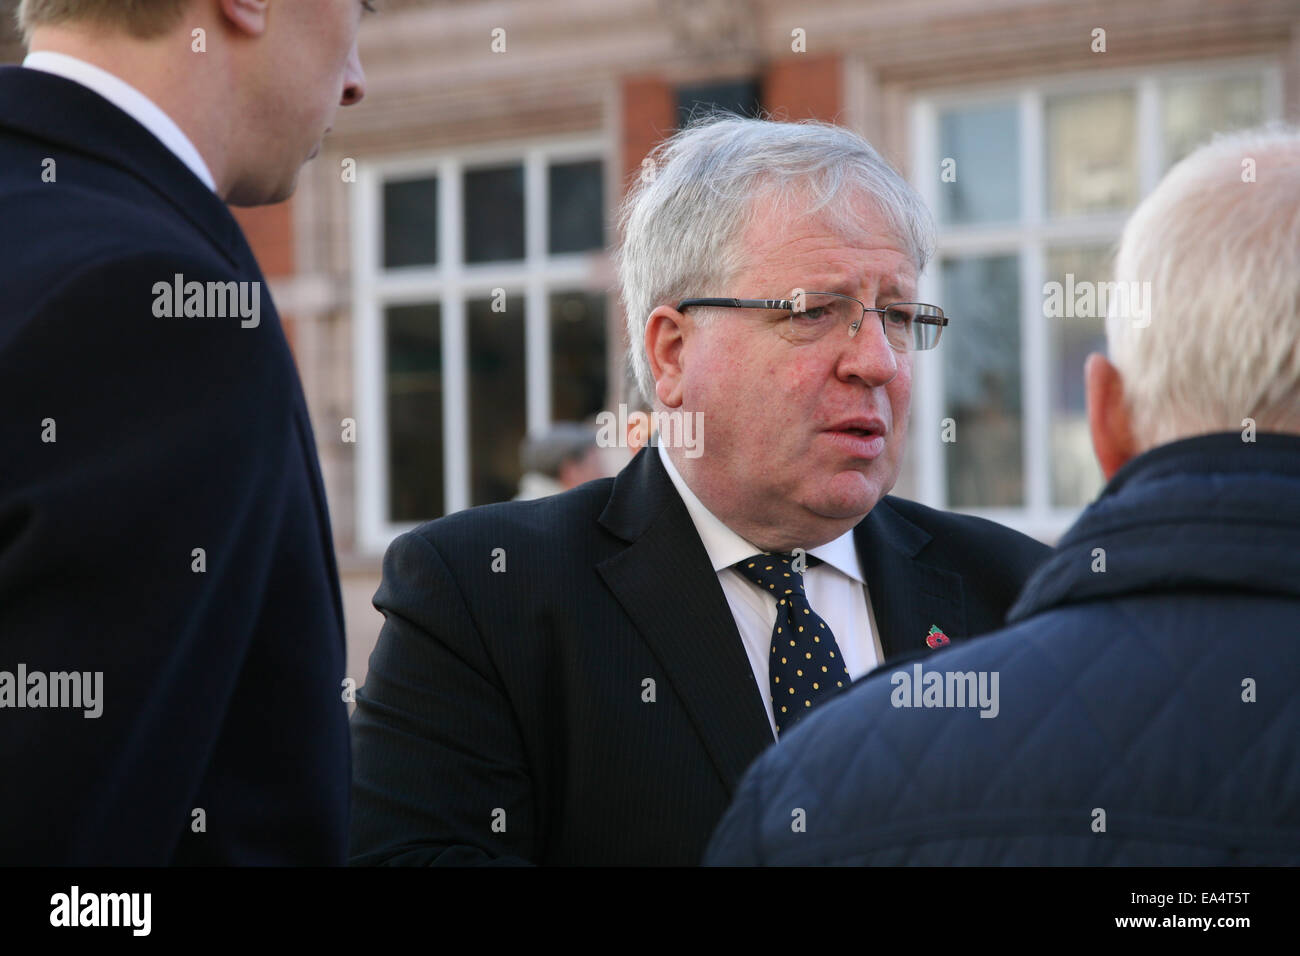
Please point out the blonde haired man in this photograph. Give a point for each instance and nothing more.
(170, 622)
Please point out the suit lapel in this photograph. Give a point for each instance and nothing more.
(667, 586)
(907, 595)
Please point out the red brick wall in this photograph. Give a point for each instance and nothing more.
(803, 87)
(649, 117)
(270, 232)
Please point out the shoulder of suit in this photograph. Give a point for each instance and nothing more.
(968, 532)
(556, 521)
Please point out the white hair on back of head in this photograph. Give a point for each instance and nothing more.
(683, 224)
(1222, 254)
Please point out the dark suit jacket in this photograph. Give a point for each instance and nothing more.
(221, 686)
(507, 714)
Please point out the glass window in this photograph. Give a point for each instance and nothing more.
(1195, 109)
(413, 362)
(738, 96)
(984, 145)
(498, 411)
(577, 205)
(1076, 325)
(1091, 153)
(578, 355)
(410, 223)
(981, 360)
(494, 214)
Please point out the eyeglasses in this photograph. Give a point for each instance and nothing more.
(908, 326)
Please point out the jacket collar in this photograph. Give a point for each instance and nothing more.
(908, 595)
(666, 583)
(66, 114)
(1207, 513)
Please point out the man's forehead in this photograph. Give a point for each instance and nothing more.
(848, 227)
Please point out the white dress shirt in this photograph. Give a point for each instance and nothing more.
(129, 100)
(836, 591)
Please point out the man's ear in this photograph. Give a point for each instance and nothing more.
(664, 341)
(1108, 415)
(246, 16)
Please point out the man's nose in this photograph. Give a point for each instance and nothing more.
(868, 355)
(354, 80)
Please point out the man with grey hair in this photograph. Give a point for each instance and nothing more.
(583, 679)
(163, 523)
(1143, 700)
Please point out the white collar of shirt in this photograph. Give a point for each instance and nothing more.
(726, 548)
(129, 100)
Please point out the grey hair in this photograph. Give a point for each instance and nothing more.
(683, 223)
(1221, 250)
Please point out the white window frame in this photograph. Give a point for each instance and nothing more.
(1028, 238)
(452, 282)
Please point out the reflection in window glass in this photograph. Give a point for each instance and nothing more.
(984, 144)
(410, 222)
(981, 358)
(413, 360)
(1197, 108)
(494, 214)
(497, 398)
(578, 366)
(576, 206)
(1091, 153)
(1081, 329)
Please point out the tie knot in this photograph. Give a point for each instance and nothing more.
(776, 571)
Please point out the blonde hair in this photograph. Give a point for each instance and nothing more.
(140, 18)
(1219, 242)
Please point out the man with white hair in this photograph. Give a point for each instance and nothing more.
(1141, 707)
(584, 678)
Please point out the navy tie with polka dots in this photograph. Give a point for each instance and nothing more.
(806, 664)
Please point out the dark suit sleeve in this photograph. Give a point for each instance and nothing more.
(440, 772)
(165, 435)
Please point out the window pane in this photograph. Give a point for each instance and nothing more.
(494, 214)
(1091, 153)
(577, 207)
(981, 360)
(1196, 109)
(1076, 323)
(740, 96)
(497, 409)
(984, 144)
(411, 223)
(578, 366)
(413, 379)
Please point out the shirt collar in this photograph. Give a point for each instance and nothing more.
(725, 547)
(129, 100)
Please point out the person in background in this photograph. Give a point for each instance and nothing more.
(564, 456)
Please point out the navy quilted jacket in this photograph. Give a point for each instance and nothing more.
(1147, 713)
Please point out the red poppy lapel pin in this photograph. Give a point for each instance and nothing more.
(936, 638)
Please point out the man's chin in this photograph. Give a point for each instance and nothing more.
(848, 495)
